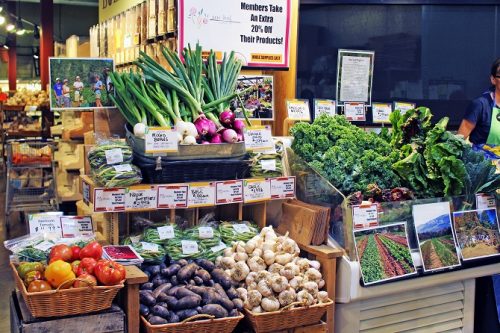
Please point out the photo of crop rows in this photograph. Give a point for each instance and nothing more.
(383, 253)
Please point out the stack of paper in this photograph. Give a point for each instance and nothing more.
(123, 254)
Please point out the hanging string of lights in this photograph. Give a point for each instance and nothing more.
(14, 23)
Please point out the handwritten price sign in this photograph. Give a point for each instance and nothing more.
(109, 200)
(255, 190)
(173, 196)
(201, 195)
(141, 197)
(161, 140)
(229, 192)
(258, 138)
(298, 109)
(282, 187)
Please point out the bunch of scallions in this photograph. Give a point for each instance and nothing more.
(193, 96)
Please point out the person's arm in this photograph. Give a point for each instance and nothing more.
(466, 128)
(471, 117)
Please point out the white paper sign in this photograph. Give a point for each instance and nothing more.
(166, 232)
(135, 239)
(241, 228)
(141, 197)
(173, 196)
(324, 106)
(45, 223)
(282, 187)
(354, 76)
(269, 165)
(74, 226)
(354, 111)
(258, 138)
(109, 200)
(150, 246)
(255, 190)
(381, 112)
(485, 201)
(189, 247)
(86, 192)
(403, 107)
(161, 140)
(122, 168)
(364, 216)
(230, 191)
(201, 195)
(205, 232)
(44, 246)
(114, 156)
(257, 31)
(219, 247)
(298, 109)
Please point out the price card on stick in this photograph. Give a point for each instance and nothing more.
(141, 197)
(364, 216)
(206, 232)
(74, 226)
(403, 107)
(166, 232)
(189, 247)
(113, 156)
(173, 196)
(230, 191)
(150, 246)
(45, 223)
(258, 138)
(255, 190)
(298, 109)
(485, 201)
(201, 195)
(324, 106)
(86, 192)
(381, 113)
(354, 111)
(241, 228)
(282, 187)
(160, 140)
(109, 200)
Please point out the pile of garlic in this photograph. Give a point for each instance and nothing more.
(270, 273)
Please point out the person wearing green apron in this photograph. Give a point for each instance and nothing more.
(481, 123)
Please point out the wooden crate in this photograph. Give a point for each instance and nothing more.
(21, 321)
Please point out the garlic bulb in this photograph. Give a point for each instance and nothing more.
(262, 275)
(279, 283)
(322, 296)
(275, 268)
(270, 304)
(228, 252)
(268, 246)
(321, 284)
(257, 252)
(305, 297)
(311, 287)
(251, 277)
(227, 263)
(303, 264)
(254, 298)
(296, 282)
(287, 297)
(250, 246)
(242, 293)
(257, 309)
(240, 271)
(240, 256)
(315, 264)
(256, 264)
(283, 258)
(312, 274)
(268, 257)
(264, 288)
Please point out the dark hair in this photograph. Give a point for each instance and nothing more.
(495, 68)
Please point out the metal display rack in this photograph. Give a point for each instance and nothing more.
(31, 182)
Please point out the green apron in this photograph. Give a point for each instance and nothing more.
(494, 135)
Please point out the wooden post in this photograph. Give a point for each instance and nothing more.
(46, 39)
(12, 64)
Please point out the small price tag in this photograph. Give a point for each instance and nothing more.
(160, 140)
(150, 247)
(141, 197)
(268, 164)
(166, 232)
(354, 111)
(324, 106)
(189, 247)
(114, 156)
(206, 232)
(255, 190)
(135, 239)
(364, 216)
(122, 168)
(86, 192)
(201, 195)
(44, 246)
(282, 187)
(241, 228)
(404, 107)
(485, 201)
(230, 191)
(381, 112)
(42, 223)
(173, 196)
(298, 109)
(258, 138)
(109, 200)
(73, 226)
(218, 248)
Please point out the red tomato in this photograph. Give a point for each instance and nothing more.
(87, 277)
(75, 250)
(52, 259)
(74, 266)
(91, 250)
(109, 272)
(39, 285)
(86, 265)
(62, 251)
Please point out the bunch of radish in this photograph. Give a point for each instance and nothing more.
(231, 130)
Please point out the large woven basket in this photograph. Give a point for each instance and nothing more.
(66, 302)
(221, 325)
(287, 318)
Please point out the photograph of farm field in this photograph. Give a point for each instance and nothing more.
(435, 235)
(383, 253)
(477, 233)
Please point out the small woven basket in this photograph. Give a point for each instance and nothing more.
(287, 318)
(66, 302)
(211, 325)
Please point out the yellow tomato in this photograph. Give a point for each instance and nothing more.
(58, 272)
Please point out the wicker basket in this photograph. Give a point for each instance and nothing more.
(221, 325)
(66, 302)
(287, 318)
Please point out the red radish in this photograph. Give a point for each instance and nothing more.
(238, 126)
(217, 138)
(227, 117)
(212, 128)
(229, 135)
(202, 125)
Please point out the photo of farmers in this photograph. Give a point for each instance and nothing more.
(80, 83)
